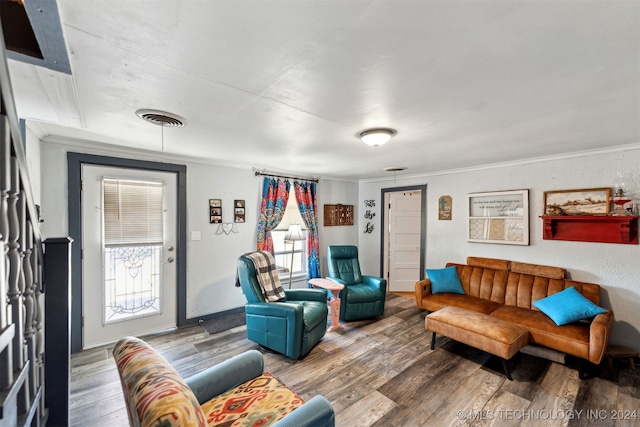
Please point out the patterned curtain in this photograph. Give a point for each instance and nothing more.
(308, 206)
(275, 194)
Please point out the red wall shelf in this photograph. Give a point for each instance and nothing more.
(603, 229)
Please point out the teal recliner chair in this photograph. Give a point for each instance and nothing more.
(363, 296)
(292, 326)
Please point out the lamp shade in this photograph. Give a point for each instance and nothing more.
(376, 137)
(294, 233)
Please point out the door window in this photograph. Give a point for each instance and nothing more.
(132, 246)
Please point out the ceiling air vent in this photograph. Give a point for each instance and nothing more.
(161, 118)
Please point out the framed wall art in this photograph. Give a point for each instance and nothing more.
(499, 217)
(215, 211)
(589, 201)
(238, 211)
(444, 208)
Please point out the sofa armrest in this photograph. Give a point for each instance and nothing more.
(599, 332)
(319, 295)
(316, 412)
(423, 288)
(378, 282)
(226, 375)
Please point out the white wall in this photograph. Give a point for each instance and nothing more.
(211, 261)
(333, 193)
(616, 267)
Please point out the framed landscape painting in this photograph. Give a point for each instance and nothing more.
(589, 201)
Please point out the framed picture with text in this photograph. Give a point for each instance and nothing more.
(499, 217)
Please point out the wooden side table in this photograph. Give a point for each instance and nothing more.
(620, 352)
(335, 289)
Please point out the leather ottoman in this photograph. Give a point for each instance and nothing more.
(495, 336)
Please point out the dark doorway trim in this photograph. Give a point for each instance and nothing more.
(423, 222)
(74, 175)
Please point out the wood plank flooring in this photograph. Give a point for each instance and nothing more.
(383, 373)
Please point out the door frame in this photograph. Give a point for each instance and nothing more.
(74, 183)
(423, 223)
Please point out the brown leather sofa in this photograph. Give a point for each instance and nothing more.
(506, 290)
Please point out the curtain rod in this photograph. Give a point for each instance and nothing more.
(273, 175)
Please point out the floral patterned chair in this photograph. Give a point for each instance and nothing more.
(235, 392)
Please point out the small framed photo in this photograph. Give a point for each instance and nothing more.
(238, 211)
(589, 201)
(215, 211)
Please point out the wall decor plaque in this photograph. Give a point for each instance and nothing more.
(338, 215)
(444, 208)
(499, 217)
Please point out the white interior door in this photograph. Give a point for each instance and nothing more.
(404, 240)
(127, 288)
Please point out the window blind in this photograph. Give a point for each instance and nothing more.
(133, 212)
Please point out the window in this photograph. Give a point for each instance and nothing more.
(133, 235)
(282, 249)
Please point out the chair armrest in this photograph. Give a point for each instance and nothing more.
(319, 295)
(378, 282)
(275, 309)
(316, 412)
(226, 375)
(423, 288)
(599, 332)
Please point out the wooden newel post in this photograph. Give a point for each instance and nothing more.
(57, 284)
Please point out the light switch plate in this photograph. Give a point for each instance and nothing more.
(196, 235)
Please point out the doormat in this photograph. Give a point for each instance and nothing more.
(223, 323)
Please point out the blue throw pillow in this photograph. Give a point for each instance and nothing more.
(445, 280)
(568, 306)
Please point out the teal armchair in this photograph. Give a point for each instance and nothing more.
(292, 326)
(363, 297)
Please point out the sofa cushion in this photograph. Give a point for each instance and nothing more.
(571, 339)
(568, 306)
(260, 401)
(494, 263)
(445, 280)
(538, 270)
(435, 302)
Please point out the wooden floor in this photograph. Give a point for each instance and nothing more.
(383, 373)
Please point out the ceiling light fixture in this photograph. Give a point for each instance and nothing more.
(377, 136)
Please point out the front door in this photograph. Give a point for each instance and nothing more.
(128, 252)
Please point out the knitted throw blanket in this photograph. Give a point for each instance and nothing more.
(267, 275)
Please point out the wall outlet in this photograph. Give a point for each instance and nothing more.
(196, 235)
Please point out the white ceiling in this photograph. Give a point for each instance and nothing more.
(287, 85)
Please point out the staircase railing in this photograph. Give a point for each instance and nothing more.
(21, 276)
